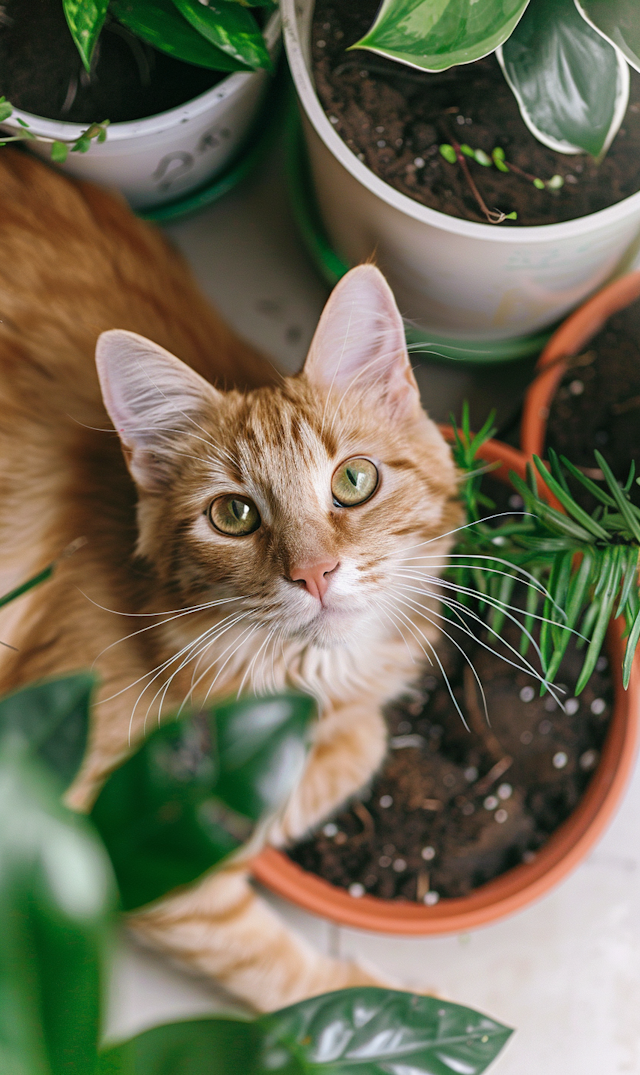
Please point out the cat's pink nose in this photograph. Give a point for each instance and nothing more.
(315, 576)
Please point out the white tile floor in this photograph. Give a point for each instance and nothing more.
(566, 971)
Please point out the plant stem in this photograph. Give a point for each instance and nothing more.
(494, 216)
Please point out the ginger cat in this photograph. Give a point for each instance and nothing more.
(262, 522)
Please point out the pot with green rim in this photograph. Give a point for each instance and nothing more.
(480, 292)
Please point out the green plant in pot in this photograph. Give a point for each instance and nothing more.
(58, 896)
(529, 604)
(566, 61)
(395, 86)
(126, 60)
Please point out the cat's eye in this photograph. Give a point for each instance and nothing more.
(234, 515)
(354, 482)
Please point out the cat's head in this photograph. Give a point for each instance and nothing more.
(294, 503)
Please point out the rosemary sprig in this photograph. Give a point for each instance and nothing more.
(587, 564)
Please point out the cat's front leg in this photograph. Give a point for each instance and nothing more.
(223, 929)
(349, 746)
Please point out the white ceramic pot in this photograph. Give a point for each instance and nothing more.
(458, 280)
(155, 160)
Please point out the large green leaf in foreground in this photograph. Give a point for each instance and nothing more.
(56, 894)
(571, 85)
(52, 717)
(193, 791)
(436, 34)
(364, 1031)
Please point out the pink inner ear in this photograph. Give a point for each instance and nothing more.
(152, 398)
(360, 339)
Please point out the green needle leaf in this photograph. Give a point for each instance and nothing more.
(605, 613)
(621, 500)
(594, 489)
(567, 501)
(630, 649)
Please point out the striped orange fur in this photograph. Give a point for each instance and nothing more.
(200, 415)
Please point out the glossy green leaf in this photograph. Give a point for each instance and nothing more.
(230, 27)
(192, 1047)
(618, 21)
(378, 1032)
(366, 1031)
(437, 34)
(53, 718)
(159, 23)
(193, 791)
(85, 19)
(571, 85)
(56, 895)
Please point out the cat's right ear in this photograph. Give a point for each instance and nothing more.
(152, 399)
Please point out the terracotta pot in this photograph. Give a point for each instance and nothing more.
(570, 339)
(517, 887)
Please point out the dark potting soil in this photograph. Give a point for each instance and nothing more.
(597, 404)
(394, 118)
(453, 809)
(41, 71)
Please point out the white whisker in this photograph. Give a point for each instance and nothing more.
(524, 666)
(411, 627)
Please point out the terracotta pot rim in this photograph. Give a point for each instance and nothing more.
(519, 886)
(568, 340)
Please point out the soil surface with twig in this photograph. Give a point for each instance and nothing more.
(42, 73)
(452, 808)
(394, 117)
(597, 405)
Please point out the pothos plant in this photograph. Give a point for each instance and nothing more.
(222, 36)
(187, 799)
(565, 60)
(576, 570)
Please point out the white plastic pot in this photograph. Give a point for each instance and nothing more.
(155, 160)
(459, 280)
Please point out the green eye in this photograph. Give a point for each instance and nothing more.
(354, 482)
(234, 515)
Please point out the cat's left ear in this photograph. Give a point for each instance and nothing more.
(152, 399)
(360, 343)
